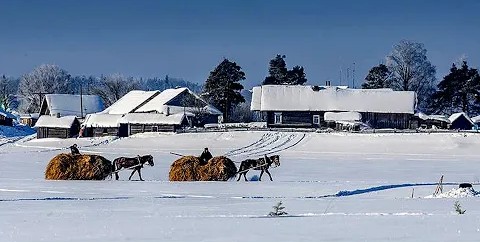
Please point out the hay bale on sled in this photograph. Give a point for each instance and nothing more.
(190, 168)
(185, 169)
(218, 168)
(78, 167)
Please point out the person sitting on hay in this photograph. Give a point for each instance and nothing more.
(205, 156)
(74, 149)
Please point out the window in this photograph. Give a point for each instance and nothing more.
(277, 118)
(154, 128)
(316, 119)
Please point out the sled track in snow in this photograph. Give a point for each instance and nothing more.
(264, 141)
(268, 144)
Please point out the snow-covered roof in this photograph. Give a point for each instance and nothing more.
(331, 98)
(102, 120)
(476, 119)
(30, 115)
(152, 118)
(7, 114)
(342, 116)
(156, 104)
(67, 104)
(159, 102)
(441, 118)
(455, 116)
(131, 101)
(54, 122)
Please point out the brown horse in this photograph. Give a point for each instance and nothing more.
(259, 164)
(133, 163)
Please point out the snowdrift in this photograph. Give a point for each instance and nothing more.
(457, 193)
(78, 167)
(189, 168)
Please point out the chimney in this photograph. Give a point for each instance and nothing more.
(327, 83)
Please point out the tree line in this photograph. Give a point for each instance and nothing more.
(25, 94)
(407, 68)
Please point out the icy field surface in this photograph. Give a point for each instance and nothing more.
(335, 187)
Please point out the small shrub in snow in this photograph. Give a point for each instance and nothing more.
(458, 208)
(278, 210)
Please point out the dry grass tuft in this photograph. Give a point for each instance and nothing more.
(78, 167)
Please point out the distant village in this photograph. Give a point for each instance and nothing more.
(325, 108)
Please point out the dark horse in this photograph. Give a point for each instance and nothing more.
(259, 164)
(133, 163)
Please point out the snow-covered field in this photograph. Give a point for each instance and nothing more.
(335, 187)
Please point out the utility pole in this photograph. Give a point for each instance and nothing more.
(81, 101)
(353, 75)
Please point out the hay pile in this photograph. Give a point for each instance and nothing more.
(190, 168)
(78, 167)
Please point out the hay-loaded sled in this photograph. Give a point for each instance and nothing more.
(191, 168)
(78, 167)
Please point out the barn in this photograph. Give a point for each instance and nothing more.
(98, 124)
(134, 123)
(305, 106)
(425, 121)
(460, 121)
(6, 118)
(57, 127)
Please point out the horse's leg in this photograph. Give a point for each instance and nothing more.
(239, 176)
(134, 170)
(245, 175)
(115, 168)
(261, 173)
(140, 175)
(266, 170)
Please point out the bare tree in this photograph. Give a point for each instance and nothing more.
(113, 87)
(8, 89)
(42, 80)
(412, 71)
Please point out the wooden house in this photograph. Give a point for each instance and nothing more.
(460, 121)
(29, 119)
(305, 106)
(150, 111)
(57, 127)
(6, 118)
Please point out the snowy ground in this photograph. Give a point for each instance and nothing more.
(335, 187)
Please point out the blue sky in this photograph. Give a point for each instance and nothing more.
(188, 39)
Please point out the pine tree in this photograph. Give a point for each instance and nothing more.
(278, 210)
(458, 92)
(377, 77)
(296, 76)
(280, 75)
(277, 71)
(222, 87)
